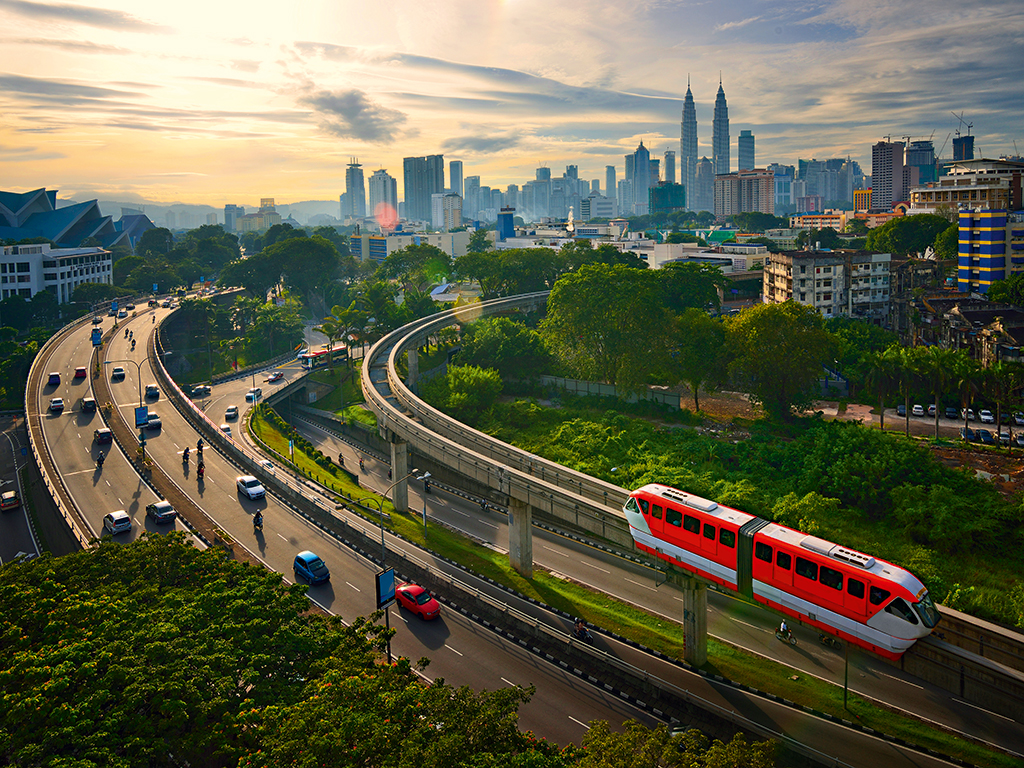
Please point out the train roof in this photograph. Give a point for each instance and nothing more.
(708, 507)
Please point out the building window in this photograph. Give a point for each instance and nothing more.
(49, 276)
(24, 266)
(24, 278)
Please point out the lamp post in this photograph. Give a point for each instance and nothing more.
(138, 365)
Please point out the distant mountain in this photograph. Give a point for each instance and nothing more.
(187, 216)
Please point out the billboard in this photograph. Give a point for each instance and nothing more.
(142, 416)
(385, 581)
(97, 337)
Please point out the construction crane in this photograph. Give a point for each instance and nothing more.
(960, 117)
(939, 153)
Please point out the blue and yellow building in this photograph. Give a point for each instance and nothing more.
(991, 247)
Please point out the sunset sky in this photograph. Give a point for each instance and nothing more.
(226, 102)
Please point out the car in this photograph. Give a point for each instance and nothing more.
(985, 436)
(122, 314)
(112, 312)
(161, 511)
(418, 600)
(88, 405)
(80, 372)
(311, 568)
(165, 304)
(54, 379)
(117, 374)
(201, 390)
(57, 405)
(154, 422)
(1005, 418)
(275, 376)
(1019, 439)
(917, 410)
(250, 486)
(951, 412)
(931, 409)
(153, 303)
(97, 320)
(102, 436)
(1018, 418)
(967, 413)
(268, 466)
(152, 390)
(117, 522)
(226, 429)
(9, 500)
(1004, 438)
(968, 434)
(253, 395)
(987, 417)
(231, 412)
(129, 306)
(901, 410)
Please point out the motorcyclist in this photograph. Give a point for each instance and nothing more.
(100, 459)
(360, 463)
(126, 333)
(201, 470)
(257, 521)
(133, 343)
(784, 630)
(184, 455)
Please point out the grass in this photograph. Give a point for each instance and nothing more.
(344, 401)
(643, 627)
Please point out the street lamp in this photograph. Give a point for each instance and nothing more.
(138, 365)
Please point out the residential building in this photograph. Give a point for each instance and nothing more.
(887, 174)
(839, 282)
(25, 270)
(784, 177)
(666, 197)
(471, 201)
(720, 133)
(378, 247)
(981, 183)
(862, 199)
(688, 147)
(921, 155)
(784, 238)
(837, 220)
(991, 248)
(423, 177)
(231, 213)
(512, 196)
(446, 211)
(609, 180)
(670, 167)
(25, 215)
(745, 191)
(745, 151)
(355, 191)
(455, 176)
(383, 195)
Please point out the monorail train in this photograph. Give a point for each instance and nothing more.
(864, 600)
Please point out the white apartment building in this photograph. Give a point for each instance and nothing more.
(25, 270)
(840, 282)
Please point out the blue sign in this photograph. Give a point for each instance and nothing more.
(113, 305)
(142, 416)
(156, 288)
(385, 583)
(97, 337)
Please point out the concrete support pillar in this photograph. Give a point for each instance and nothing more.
(399, 470)
(695, 620)
(413, 357)
(520, 536)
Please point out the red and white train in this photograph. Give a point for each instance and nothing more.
(864, 600)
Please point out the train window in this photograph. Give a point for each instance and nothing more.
(877, 595)
(831, 578)
(673, 516)
(783, 560)
(728, 538)
(709, 531)
(855, 588)
(763, 552)
(899, 607)
(691, 523)
(807, 569)
(644, 505)
(656, 514)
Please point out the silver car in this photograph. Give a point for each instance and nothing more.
(250, 486)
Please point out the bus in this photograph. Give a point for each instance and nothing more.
(317, 358)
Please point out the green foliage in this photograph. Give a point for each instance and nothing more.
(514, 350)
(416, 265)
(639, 747)
(698, 357)
(479, 242)
(946, 243)
(683, 237)
(155, 242)
(759, 222)
(827, 237)
(689, 285)
(467, 392)
(307, 263)
(1008, 291)
(907, 235)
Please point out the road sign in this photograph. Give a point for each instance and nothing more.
(156, 288)
(385, 583)
(142, 416)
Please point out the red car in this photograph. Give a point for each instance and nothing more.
(80, 373)
(418, 600)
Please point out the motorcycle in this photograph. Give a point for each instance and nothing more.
(361, 465)
(184, 456)
(133, 345)
(426, 486)
(201, 471)
(257, 523)
(99, 460)
(829, 641)
(786, 637)
(580, 632)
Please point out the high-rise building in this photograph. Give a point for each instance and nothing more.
(703, 187)
(446, 211)
(963, 147)
(720, 133)
(887, 174)
(595, 186)
(641, 178)
(423, 177)
(655, 171)
(669, 167)
(543, 173)
(231, 213)
(383, 192)
(688, 148)
(745, 191)
(920, 155)
(609, 179)
(355, 190)
(572, 171)
(471, 201)
(989, 240)
(455, 175)
(512, 196)
(506, 223)
(745, 151)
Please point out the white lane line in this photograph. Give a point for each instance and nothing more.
(746, 624)
(108, 484)
(578, 722)
(645, 586)
(282, 538)
(119, 501)
(595, 567)
(487, 524)
(898, 680)
(557, 552)
(460, 512)
(505, 679)
(454, 651)
(357, 589)
(980, 709)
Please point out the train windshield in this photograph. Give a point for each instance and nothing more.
(926, 610)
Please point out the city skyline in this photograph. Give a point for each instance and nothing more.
(212, 105)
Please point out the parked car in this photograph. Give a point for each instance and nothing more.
(88, 405)
(161, 511)
(1018, 418)
(9, 500)
(951, 412)
(253, 394)
(968, 434)
(117, 374)
(231, 412)
(154, 422)
(152, 390)
(931, 410)
(901, 410)
(311, 568)
(1019, 439)
(987, 417)
(250, 486)
(117, 522)
(54, 379)
(967, 413)
(418, 600)
(57, 405)
(1004, 438)
(103, 436)
(275, 376)
(917, 410)
(985, 436)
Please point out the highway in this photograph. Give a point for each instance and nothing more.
(16, 536)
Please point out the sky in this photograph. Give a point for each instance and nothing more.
(221, 101)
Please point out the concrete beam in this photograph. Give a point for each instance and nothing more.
(413, 357)
(520, 537)
(695, 618)
(399, 470)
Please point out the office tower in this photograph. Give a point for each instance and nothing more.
(887, 174)
(655, 171)
(963, 147)
(745, 191)
(543, 173)
(506, 223)
(641, 178)
(231, 214)
(720, 133)
(355, 190)
(609, 179)
(688, 147)
(625, 196)
(455, 175)
(383, 191)
(595, 186)
(496, 199)
(920, 155)
(471, 201)
(669, 167)
(512, 196)
(572, 172)
(703, 187)
(423, 177)
(745, 151)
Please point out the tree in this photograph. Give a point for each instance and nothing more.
(759, 222)
(93, 293)
(276, 329)
(596, 317)
(479, 242)
(697, 357)
(155, 242)
(683, 237)
(826, 237)
(856, 227)
(308, 264)
(907, 235)
(689, 285)
(640, 747)
(1006, 384)
(946, 243)
(511, 348)
(1008, 291)
(779, 349)
(123, 268)
(416, 265)
(936, 366)
(905, 368)
(881, 376)
(257, 274)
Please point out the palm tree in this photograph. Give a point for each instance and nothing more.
(964, 375)
(330, 328)
(880, 377)
(902, 361)
(1007, 381)
(936, 365)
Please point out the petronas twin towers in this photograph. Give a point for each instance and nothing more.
(688, 148)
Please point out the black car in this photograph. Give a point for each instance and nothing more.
(968, 434)
(986, 437)
(951, 412)
(901, 410)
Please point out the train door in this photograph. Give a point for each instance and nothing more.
(783, 568)
(709, 541)
(855, 596)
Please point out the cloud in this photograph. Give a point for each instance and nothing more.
(480, 144)
(94, 17)
(737, 24)
(56, 88)
(351, 114)
(78, 46)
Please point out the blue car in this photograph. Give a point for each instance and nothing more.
(311, 568)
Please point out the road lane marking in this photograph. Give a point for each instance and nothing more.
(505, 679)
(595, 567)
(980, 709)
(281, 537)
(898, 680)
(487, 524)
(578, 722)
(645, 586)
(563, 554)
(460, 512)
(357, 589)
(747, 624)
(454, 651)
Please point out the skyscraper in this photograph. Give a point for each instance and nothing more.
(424, 176)
(703, 198)
(471, 202)
(669, 167)
(688, 147)
(455, 174)
(887, 174)
(383, 189)
(231, 214)
(745, 154)
(609, 180)
(720, 133)
(641, 178)
(355, 190)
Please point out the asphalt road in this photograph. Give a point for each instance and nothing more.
(16, 536)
